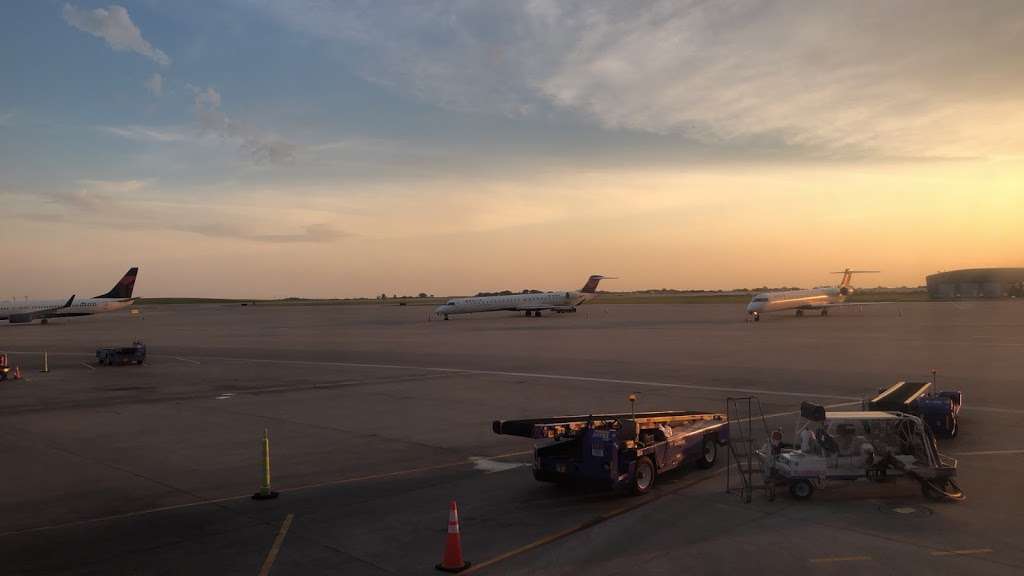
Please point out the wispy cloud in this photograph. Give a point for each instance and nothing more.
(258, 147)
(149, 133)
(155, 84)
(114, 25)
(312, 233)
(837, 77)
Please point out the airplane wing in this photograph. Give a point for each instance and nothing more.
(844, 305)
(45, 311)
(534, 307)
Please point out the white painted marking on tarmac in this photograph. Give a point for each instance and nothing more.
(186, 360)
(989, 453)
(225, 396)
(247, 496)
(272, 555)
(489, 466)
(539, 376)
(87, 365)
(839, 559)
(963, 552)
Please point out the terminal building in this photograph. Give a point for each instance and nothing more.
(977, 283)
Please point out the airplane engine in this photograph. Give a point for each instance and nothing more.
(20, 318)
(846, 290)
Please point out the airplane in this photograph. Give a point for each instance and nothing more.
(805, 300)
(531, 304)
(118, 298)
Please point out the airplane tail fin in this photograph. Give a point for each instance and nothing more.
(848, 275)
(123, 288)
(591, 286)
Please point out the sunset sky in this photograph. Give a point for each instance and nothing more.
(335, 149)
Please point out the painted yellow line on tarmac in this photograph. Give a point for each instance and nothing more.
(599, 519)
(839, 559)
(272, 555)
(963, 552)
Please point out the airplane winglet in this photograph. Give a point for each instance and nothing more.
(70, 300)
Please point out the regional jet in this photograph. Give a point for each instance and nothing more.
(118, 298)
(531, 304)
(805, 300)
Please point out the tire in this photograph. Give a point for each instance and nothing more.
(643, 476)
(954, 427)
(801, 489)
(709, 452)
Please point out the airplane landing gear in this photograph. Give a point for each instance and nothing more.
(445, 316)
(756, 315)
(824, 311)
(799, 312)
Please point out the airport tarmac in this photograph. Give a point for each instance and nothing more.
(378, 418)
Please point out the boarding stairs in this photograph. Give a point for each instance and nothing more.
(748, 431)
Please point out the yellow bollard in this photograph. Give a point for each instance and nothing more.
(46, 362)
(265, 492)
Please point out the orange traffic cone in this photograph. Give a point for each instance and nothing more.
(17, 372)
(452, 561)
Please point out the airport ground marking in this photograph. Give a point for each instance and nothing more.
(87, 365)
(831, 559)
(989, 453)
(272, 555)
(186, 360)
(539, 375)
(968, 408)
(968, 552)
(214, 501)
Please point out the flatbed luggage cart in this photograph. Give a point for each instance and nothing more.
(864, 445)
(624, 452)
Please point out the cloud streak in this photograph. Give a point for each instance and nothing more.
(260, 148)
(921, 78)
(115, 26)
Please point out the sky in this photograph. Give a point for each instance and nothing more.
(275, 148)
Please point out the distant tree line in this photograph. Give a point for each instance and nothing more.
(509, 293)
(397, 297)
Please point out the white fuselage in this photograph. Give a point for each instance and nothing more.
(558, 301)
(84, 307)
(812, 299)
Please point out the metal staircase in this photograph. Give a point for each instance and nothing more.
(749, 474)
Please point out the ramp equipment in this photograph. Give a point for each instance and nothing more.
(939, 410)
(134, 354)
(748, 431)
(854, 446)
(624, 452)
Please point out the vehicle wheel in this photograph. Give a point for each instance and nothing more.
(801, 489)
(709, 453)
(799, 312)
(643, 476)
(824, 311)
(757, 317)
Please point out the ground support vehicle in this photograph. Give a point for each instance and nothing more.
(624, 452)
(848, 446)
(134, 354)
(940, 410)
